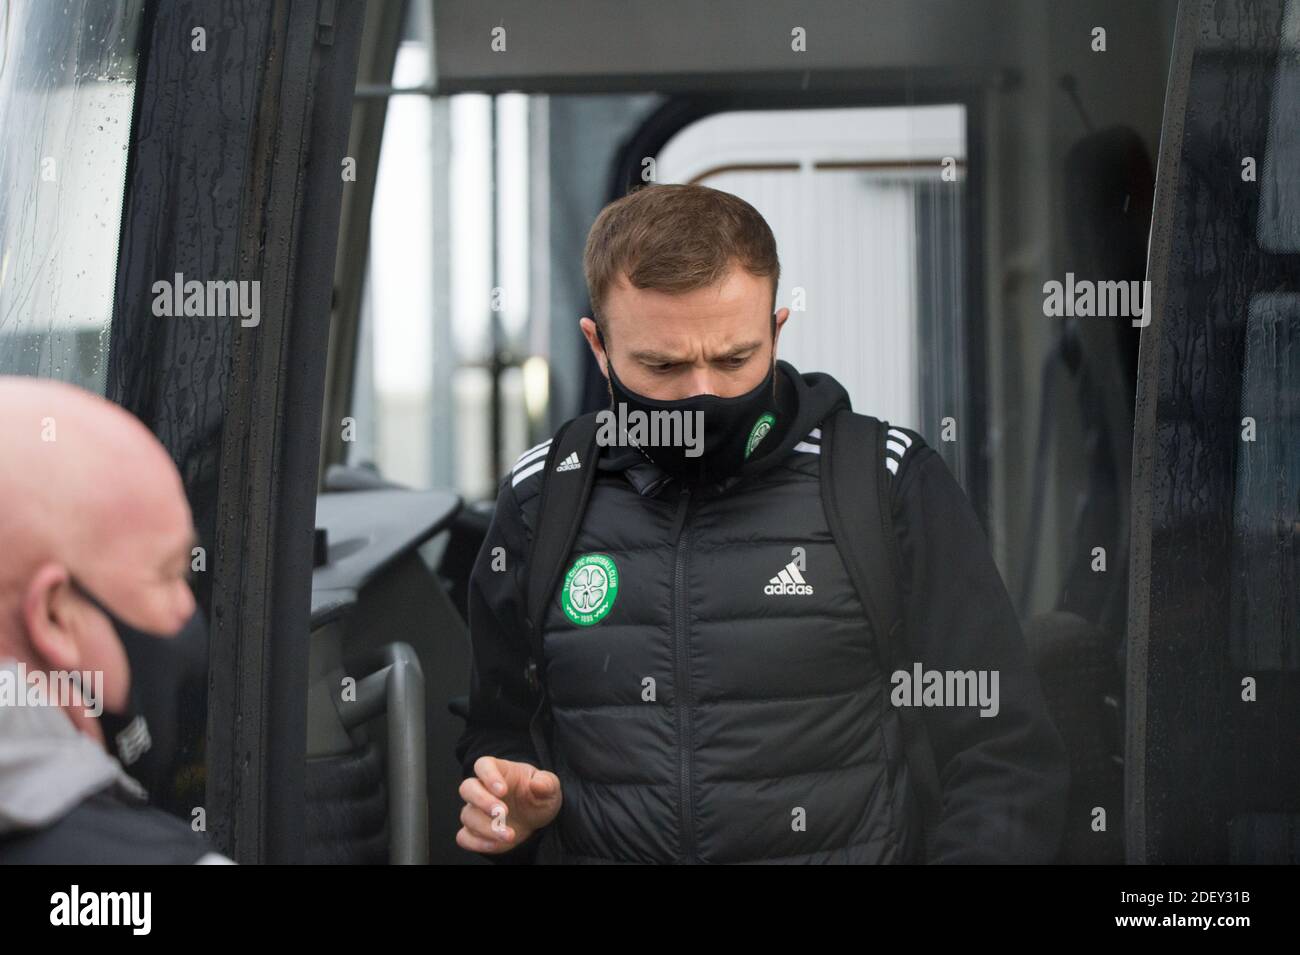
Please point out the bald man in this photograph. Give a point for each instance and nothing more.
(95, 535)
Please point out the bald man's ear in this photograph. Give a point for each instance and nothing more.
(49, 611)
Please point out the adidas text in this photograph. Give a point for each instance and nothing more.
(788, 581)
(787, 588)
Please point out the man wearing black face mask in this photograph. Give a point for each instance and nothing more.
(728, 429)
(97, 536)
(703, 682)
(143, 734)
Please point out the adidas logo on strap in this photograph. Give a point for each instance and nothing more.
(897, 444)
(788, 581)
(571, 463)
(529, 463)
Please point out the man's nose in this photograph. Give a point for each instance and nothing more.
(701, 381)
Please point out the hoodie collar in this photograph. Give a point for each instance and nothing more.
(47, 765)
(803, 402)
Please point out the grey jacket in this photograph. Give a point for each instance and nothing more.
(63, 798)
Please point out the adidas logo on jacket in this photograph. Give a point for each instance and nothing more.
(788, 581)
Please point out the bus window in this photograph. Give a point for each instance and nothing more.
(1266, 498)
(67, 85)
(1213, 652)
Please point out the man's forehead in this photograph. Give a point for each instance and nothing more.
(732, 288)
(726, 347)
(156, 522)
(188, 541)
(721, 320)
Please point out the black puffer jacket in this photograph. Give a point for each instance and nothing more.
(715, 693)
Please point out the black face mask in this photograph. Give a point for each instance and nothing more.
(153, 658)
(732, 430)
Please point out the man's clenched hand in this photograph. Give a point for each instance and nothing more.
(505, 803)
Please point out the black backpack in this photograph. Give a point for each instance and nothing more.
(855, 493)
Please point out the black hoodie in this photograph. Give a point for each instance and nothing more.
(1004, 779)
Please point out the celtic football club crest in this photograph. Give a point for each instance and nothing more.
(761, 427)
(589, 589)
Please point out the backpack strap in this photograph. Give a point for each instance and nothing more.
(563, 502)
(856, 496)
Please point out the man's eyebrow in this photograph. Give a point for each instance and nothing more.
(740, 349)
(652, 357)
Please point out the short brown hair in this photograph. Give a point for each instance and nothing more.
(675, 238)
